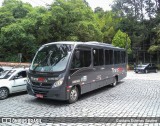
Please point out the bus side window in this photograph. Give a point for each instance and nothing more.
(123, 56)
(76, 60)
(84, 60)
(117, 57)
(108, 57)
(98, 57)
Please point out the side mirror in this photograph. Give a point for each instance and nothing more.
(77, 54)
(15, 77)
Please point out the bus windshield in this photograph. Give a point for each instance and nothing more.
(51, 58)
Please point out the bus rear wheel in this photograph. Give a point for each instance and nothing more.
(73, 95)
(156, 71)
(114, 82)
(146, 71)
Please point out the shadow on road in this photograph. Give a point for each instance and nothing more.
(17, 94)
(98, 91)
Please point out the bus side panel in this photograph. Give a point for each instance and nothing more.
(120, 70)
(98, 77)
(83, 78)
(109, 74)
(85, 88)
(102, 76)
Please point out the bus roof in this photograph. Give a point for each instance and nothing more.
(92, 43)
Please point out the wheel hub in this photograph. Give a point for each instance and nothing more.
(3, 93)
(73, 94)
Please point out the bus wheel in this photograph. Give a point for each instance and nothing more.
(3, 93)
(73, 95)
(115, 82)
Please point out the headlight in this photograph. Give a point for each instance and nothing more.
(58, 83)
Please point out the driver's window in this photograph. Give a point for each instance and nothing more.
(81, 59)
(22, 74)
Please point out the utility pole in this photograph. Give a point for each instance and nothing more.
(20, 57)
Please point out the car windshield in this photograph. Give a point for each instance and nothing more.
(6, 74)
(51, 58)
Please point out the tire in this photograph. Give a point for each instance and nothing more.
(146, 71)
(73, 95)
(115, 82)
(3, 93)
(156, 71)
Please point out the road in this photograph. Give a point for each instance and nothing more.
(135, 96)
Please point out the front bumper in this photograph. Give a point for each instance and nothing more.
(58, 93)
(139, 70)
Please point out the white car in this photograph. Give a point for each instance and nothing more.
(12, 81)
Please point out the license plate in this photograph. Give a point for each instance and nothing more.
(39, 95)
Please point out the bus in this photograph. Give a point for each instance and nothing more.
(65, 70)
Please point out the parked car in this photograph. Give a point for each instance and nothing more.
(146, 68)
(12, 81)
(3, 73)
(1, 70)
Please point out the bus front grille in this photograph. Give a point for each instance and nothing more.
(42, 85)
(44, 93)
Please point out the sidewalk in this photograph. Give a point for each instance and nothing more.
(12, 64)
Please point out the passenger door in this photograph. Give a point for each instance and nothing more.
(153, 67)
(150, 68)
(19, 81)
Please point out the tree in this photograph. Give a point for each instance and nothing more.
(122, 40)
(72, 20)
(107, 22)
(14, 40)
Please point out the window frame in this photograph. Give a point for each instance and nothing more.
(83, 48)
(94, 48)
(111, 58)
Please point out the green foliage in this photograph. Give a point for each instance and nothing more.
(6, 18)
(24, 28)
(18, 42)
(19, 11)
(88, 32)
(109, 34)
(140, 20)
(153, 49)
(107, 22)
(73, 20)
(122, 40)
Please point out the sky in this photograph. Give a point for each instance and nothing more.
(105, 4)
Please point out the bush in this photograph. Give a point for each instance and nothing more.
(130, 67)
